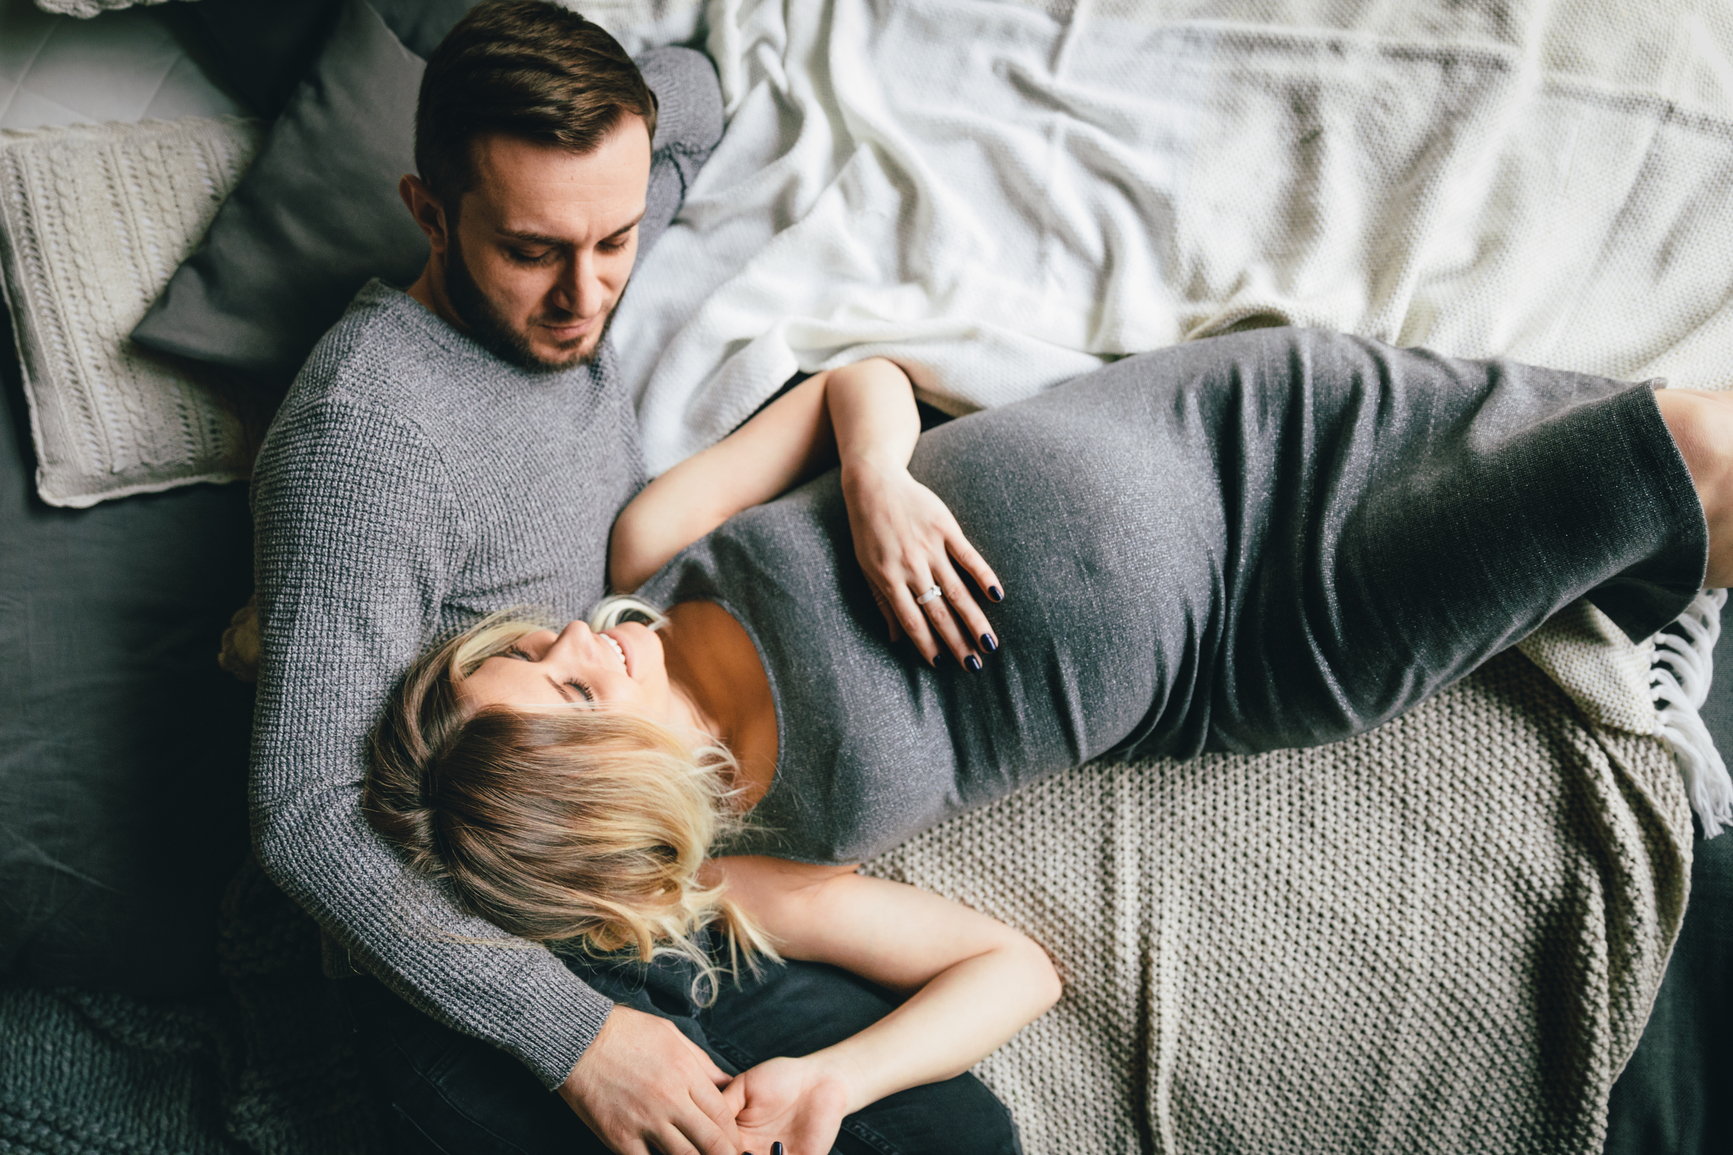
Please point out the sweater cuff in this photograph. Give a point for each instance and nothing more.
(555, 1029)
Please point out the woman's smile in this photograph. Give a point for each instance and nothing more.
(622, 666)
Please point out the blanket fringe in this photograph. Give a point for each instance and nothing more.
(1679, 681)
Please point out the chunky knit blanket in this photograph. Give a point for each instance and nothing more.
(264, 1064)
(1442, 936)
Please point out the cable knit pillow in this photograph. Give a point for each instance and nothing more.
(93, 221)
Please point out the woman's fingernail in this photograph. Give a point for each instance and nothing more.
(989, 643)
(776, 1149)
(993, 592)
(972, 662)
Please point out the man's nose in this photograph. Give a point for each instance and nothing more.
(581, 290)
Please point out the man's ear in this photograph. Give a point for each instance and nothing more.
(427, 209)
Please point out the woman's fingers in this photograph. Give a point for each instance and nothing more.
(945, 613)
(913, 620)
(970, 620)
(972, 563)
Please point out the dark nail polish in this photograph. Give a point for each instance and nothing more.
(989, 643)
(993, 592)
(972, 662)
(776, 1149)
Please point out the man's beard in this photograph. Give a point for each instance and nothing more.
(490, 329)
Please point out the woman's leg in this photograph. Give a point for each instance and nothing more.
(1702, 428)
(1406, 516)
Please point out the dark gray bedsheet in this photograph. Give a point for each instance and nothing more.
(123, 748)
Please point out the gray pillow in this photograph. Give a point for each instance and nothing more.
(314, 218)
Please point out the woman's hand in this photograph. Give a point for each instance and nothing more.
(908, 542)
(796, 1102)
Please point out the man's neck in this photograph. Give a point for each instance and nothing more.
(429, 289)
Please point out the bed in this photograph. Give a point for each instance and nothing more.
(1403, 171)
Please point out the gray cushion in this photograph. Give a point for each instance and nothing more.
(313, 219)
(263, 50)
(123, 749)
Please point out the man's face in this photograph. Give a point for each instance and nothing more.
(544, 244)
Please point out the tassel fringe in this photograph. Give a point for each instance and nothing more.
(1679, 681)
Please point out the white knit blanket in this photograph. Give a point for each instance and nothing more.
(1001, 193)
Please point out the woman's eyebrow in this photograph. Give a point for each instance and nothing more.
(562, 691)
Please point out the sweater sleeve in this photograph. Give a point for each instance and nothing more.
(356, 533)
(688, 126)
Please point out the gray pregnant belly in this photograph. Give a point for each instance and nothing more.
(1099, 508)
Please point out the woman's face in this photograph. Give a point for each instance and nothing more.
(622, 666)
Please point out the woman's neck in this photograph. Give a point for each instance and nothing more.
(714, 671)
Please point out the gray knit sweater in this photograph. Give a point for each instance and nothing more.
(410, 482)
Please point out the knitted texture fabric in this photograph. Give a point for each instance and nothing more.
(93, 221)
(1444, 935)
(410, 480)
(263, 1065)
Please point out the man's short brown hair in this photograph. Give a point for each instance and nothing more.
(524, 68)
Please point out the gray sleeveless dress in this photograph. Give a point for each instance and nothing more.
(1272, 539)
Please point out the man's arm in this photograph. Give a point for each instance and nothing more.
(688, 126)
(356, 531)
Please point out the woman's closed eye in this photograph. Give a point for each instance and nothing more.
(580, 686)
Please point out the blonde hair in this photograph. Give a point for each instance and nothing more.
(576, 825)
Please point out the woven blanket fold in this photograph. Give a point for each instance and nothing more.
(1441, 936)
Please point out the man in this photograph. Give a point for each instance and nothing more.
(461, 448)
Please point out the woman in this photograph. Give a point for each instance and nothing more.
(1272, 539)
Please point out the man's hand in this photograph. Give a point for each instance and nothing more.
(646, 1089)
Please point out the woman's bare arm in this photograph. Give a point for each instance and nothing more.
(972, 983)
(863, 416)
(789, 441)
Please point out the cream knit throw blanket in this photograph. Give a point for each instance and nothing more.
(1441, 936)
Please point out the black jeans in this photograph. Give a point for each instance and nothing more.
(452, 1093)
